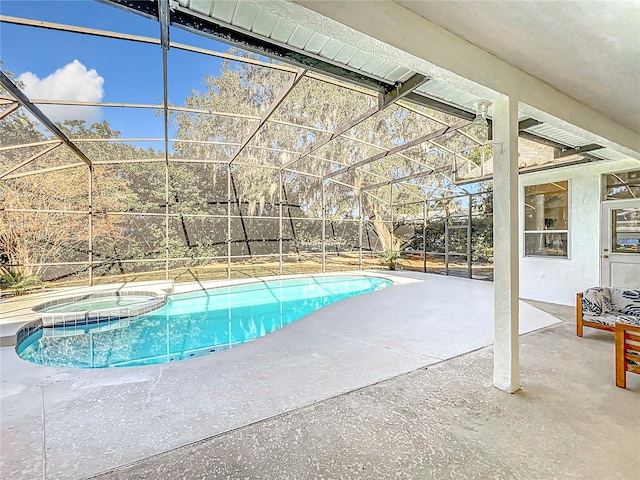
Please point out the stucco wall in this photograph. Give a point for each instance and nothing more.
(557, 279)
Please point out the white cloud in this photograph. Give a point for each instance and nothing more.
(71, 82)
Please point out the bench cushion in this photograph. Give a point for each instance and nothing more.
(596, 301)
(628, 320)
(626, 302)
(607, 319)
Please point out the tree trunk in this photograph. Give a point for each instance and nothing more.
(384, 234)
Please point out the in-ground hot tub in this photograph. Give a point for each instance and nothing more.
(98, 307)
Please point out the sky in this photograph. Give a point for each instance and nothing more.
(55, 65)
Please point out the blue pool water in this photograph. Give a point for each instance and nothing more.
(192, 324)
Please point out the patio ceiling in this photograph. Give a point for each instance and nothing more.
(265, 23)
(265, 27)
(307, 53)
(588, 50)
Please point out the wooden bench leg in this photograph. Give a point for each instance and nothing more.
(621, 374)
(579, 314)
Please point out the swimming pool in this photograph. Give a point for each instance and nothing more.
(191, 324)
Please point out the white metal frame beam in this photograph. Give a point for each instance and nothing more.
(9, 110)
(384, 101)
(400, 148)
(30, 159)
(272, 108)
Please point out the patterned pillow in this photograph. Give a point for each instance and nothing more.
(596, 301)
(626, 302)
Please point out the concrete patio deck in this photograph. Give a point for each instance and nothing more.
(443, 422)
(354, 421)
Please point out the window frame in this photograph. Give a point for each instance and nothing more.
(604, 186)
(567, 231)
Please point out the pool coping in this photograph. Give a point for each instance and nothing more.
(87, 317)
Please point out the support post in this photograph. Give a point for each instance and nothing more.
(163, 16)
(469, 237)
(447, 234)
(280, 220)
(506, 367)
(90, 224)
(424, 237)
(391, 216)
(324, 232)
(229, 221)
(166, 216)
(360, 221)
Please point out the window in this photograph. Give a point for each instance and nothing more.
(625, 230)
(622, 185)
(546, 219)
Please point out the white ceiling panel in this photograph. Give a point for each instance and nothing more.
(360, 59)
(316, 42)
(283, 30)
(385, 69)
(244, 15)
(609, 154)
(331, 49)
(223, 10)
(346, 54)
(264, 23)
(452, 95)
(553, 133)
(300, 37)
(201, 6)
(372, 65)
(396, 74)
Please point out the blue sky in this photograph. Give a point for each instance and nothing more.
(131, 71)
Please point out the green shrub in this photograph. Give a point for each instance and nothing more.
(18, 281)
(389, 258)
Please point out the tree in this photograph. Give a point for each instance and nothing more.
(46, 213)
(130, 199)
(309, 113)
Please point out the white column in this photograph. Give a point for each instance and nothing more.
(280, 174)
(90, 211)
(506, 364)
(324, 229)
(360, 223)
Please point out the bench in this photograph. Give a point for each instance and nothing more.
(627, 351)
(615, 310)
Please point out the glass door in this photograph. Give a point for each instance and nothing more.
(620, 259)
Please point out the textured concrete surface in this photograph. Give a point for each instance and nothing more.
(441, 422)
(70, 423)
